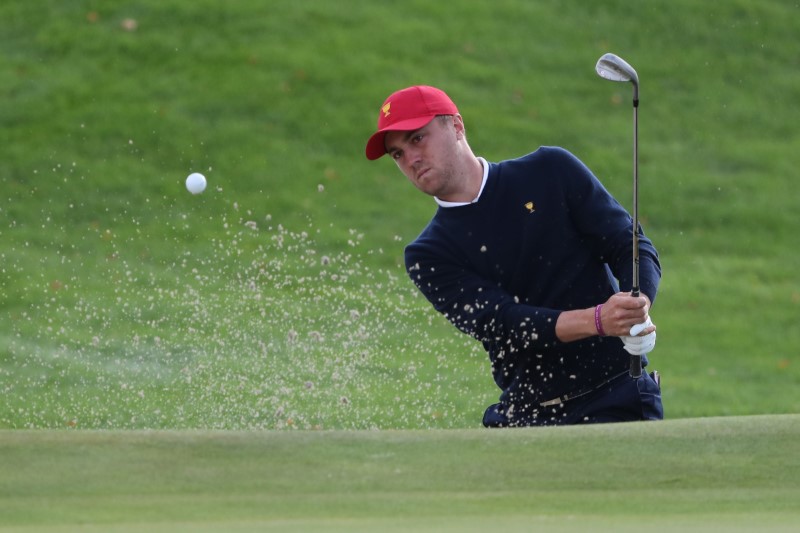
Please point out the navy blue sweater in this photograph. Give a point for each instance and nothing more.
(544, 237)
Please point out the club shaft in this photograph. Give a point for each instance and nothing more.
(635, 288)
(636, 360)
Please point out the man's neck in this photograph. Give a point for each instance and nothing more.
(474, 183)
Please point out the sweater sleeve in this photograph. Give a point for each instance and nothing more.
(475, 305)
(607, 226)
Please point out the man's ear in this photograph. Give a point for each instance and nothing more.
(458, 124)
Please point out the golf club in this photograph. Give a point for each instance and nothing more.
(614, 68)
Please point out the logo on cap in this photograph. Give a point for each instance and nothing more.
(385, 109)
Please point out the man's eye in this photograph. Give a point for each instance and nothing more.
(396, 155)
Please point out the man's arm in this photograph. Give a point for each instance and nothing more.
(616, 316)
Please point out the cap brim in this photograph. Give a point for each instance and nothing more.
(376, 146)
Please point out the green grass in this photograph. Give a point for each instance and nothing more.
(717, 474)
(277, 298)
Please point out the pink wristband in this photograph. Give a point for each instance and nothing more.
(597, 322)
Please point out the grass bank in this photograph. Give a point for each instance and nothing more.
(733, 474)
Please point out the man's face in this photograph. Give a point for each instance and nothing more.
(428, 156)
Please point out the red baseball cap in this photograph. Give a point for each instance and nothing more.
(407, 110)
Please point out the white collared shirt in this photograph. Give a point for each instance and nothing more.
(444, 203)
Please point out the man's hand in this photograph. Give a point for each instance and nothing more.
(638, 342)
(622, 311)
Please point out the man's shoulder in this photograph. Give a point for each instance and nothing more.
(431, 229)
(543, 154)
(543, 163)
(438, 235)
(547, 164)
(429, 242)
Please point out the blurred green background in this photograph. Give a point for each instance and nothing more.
(277, 298)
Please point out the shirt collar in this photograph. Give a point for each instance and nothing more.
(443, 203)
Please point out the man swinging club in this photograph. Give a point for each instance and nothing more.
(524, 255)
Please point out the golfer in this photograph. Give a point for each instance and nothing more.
(527, 256)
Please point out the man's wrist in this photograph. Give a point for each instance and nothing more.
(598, 320)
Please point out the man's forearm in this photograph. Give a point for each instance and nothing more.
(576, 325)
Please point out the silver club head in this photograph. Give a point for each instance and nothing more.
(614, 68)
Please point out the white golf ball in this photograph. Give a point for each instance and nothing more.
(196, 183)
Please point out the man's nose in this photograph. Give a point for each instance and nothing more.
(412, 155)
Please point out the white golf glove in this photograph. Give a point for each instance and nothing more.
(640, 345)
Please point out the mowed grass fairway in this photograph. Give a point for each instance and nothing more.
(714, 474)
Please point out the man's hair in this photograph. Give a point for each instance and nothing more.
(445, 120)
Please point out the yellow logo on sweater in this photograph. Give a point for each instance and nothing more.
(531, 207)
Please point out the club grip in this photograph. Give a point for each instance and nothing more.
(636, 360)
(636, 366)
